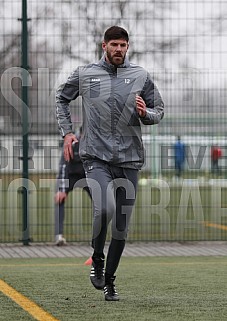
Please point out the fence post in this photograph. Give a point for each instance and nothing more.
(24, 60)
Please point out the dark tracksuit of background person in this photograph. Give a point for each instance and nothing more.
(69, 175)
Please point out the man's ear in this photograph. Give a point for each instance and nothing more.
(104, 45)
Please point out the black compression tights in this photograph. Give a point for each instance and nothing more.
(113, 257)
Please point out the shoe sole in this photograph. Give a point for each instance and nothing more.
(112, 299)
(61, 243)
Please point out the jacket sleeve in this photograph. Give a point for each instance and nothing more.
(154, 103)
(63, 175)
(65, 94)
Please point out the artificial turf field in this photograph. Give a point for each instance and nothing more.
(150, 288)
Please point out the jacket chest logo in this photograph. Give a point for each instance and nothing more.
(95, 79)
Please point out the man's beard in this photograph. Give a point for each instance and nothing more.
(112, 59)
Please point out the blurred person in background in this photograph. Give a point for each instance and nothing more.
(69, 174)
(117, 97)
(179, 156)
(216, 154)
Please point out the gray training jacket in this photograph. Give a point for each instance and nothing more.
(111, 129)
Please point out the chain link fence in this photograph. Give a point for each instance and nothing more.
(183, 45)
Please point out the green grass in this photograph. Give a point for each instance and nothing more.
(157, 289)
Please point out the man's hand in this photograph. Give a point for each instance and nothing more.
(68, 150)
(141, 106)
(60, 197)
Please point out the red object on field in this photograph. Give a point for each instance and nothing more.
(88, 262)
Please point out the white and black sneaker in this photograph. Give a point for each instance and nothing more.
(97, 272)
(110, 291)
(60, 240)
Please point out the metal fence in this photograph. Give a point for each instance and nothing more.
(183, 45)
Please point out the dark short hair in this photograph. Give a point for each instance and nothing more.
(115, 32)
